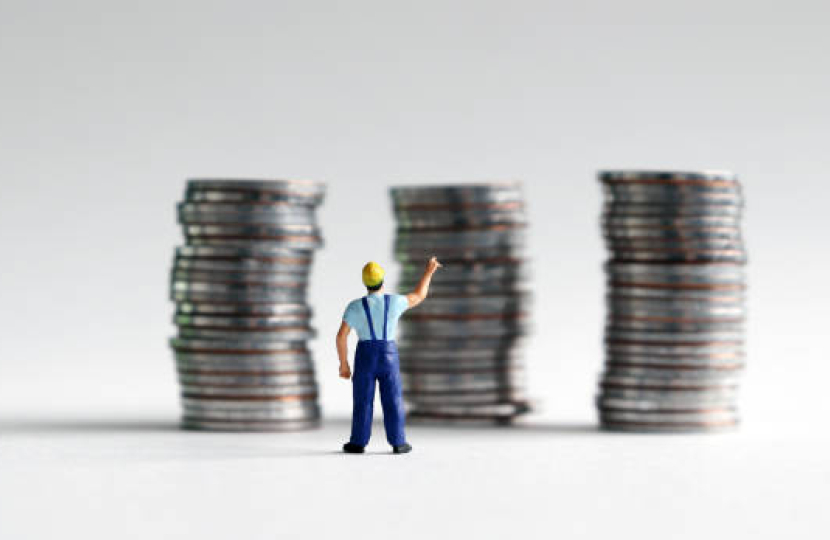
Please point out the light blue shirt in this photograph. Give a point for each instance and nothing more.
(355, 317)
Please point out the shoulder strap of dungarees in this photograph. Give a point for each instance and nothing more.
(385, 314)
(369, 318)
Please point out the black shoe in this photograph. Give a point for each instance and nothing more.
(350, 448)
(402, 448)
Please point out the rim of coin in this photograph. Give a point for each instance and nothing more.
(263, 426)
(665, 176)
(253, 251)
(256, 184)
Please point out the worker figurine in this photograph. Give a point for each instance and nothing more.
(375, 318)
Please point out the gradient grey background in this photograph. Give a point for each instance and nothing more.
(107, 107)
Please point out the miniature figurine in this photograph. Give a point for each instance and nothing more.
(375, 318)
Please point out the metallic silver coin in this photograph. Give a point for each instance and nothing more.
(672, 245)
(461, 195)
(660, 192)
(264, 337)
(295, 236)
(657, 405)
(234, 425)
(285, 379)
(204, 360)
(470, 272)
(265, 392)
(615, 235)
(193, 345)
(242, 266)
(501, 368)
(294, 242)
(275, 406)
(694, 274)
(703, 416)
(463, 398)
(713, 362)
(615, 379)
(274, 214)
(713, 337)
(195, 293)
(666, 255)
(297, 310)
(460, 381)
(463, 254)
(267, 252)
(443, 345)
(674, 312)
(497, 410)
(274, 322)
(231, 287)
(304, 188)
(679, 350)
(481, 305)
(412, 220)
(675, 326)
(249, 197)
(426, 419)
(474, 329)
(453, 291)
(264, 279)
(657, 195)
(622, 225)
(676, 295)
(697, 373)
(680, 309)
(479, 386)
(308, 411)
(245, 367)
(680, 397)
(668, 177)
(466, 239)
(615, 210)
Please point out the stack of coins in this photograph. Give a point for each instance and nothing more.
(239, 284)
(676, 283)
(461, 358)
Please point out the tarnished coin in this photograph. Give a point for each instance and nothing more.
(245, 310)
(222, 213)
(248, 392)
(705, 178)
(287, 411)
(261, 337)
(222, 380)
(275, 322)
(195, 345)
(263, 253)
(295, 191)
(236, 425)
(455, 218)
(455, 196)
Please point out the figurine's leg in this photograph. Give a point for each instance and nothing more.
(391, 399)
(363, 397)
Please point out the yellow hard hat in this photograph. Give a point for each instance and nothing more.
(373, 274)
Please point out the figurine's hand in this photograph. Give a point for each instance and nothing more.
(345, 372)
(433, 265)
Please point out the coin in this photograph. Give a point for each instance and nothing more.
(236, 425)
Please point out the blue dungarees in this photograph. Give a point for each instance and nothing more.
(377, 360)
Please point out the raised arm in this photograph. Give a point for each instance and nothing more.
(343, 349)
(422, 290)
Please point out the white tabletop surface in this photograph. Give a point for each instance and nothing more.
(142, 477)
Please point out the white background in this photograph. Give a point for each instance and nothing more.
(106, 108)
